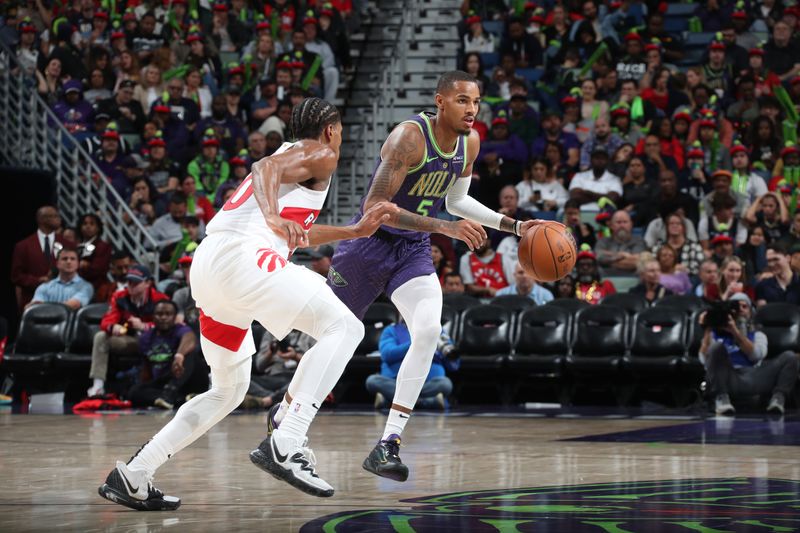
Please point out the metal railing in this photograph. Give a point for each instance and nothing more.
(31, 136)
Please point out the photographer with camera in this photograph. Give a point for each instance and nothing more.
(273, 368)
(394, 344)
(733, 354)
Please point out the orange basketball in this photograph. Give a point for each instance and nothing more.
(547, 251)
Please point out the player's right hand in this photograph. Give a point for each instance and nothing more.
(295, 235)
(468, 231)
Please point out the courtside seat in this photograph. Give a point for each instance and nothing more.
(42, 333)
(378, 316)
(485, 337)
(688, 303)
(631, 303)
(780, 322)
(460, 302)
(659, 343)
(81, 336)
(542, 341)
(450, 321)
(573, 305)
(600, 342)
(514, 302)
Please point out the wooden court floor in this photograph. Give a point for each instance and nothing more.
(468, 473)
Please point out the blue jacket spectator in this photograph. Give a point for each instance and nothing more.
(68, 287)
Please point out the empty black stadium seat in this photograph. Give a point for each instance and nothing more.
(542, 340)
(42, 333)
(780, 322)
(460, 302)
(514, 302)
(84, 327)
(631, 303)
(688, 303)
(659, 343)
(378, 316)
(573, 305)
(600, 341)
(449, 321)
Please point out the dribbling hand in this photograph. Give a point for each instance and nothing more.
(528, 224)
(378, 214)
(293, 232)
(468, 231)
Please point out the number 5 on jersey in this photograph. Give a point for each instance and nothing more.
(423, 206)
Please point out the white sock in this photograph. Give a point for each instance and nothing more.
(98, 383)
(395, 424)
(298, 418)
(281, 412)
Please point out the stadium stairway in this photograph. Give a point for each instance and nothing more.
(430, 50)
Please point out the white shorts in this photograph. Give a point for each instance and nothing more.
(237, 280)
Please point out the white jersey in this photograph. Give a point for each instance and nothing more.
(241, 215)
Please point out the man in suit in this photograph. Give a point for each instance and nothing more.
(34, 257)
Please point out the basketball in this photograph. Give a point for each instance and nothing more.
(547, 251)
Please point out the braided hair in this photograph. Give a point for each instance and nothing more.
(311, 116)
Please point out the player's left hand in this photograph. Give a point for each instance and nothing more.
(528, 224)
(378, 214)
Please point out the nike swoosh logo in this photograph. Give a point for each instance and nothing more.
(314, 406)
(428, 160)
(403, 416)
(132, 491)
(278, 456)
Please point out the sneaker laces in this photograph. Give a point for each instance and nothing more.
(392, 446)
(308, 453)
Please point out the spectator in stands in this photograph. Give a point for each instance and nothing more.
(222, 127)
(540, 190)
(144, 202)
(163, 172)
(622, 126)
(551, 128)
(67, 287)
(166, 349)
(209, 169)
(794, 259)
(753, 254)
(484, 271)
(792, 237)
(93, 252)
(150, 87)
(709, 277)
(167, 228)
(525, 285)
(669, 194)
(591, 110)
(637, 190)
(188, 313)
(589, 286)
(590, 186)
(440, 262)
(674, 275)
(722, 221)
(130, 313)
(581, 231)
(784, 285)
(28, 55)
(227, 33)
(146, 41)
(689, 252)
(522, 119)
(735, 359)
(109, 160)
(781, 52)
(313, 43)
(98, 88)
(502, 144)
(745, 182)
(192, 232)
(732, 280)
(32, 262)
(770, 214)
(274, 366)
(721, 248)
(394, 344)
(655, 162)
(602, 138)
(649, 286)
(632, 65)
(565, 287)
(524, 47)
(619, 253)
(476, 39)
(197, 205)
(184, 109)
(453, 284)
(115, 279)
(746, 108)
(195, 89)
(72, 110)
(124, 109)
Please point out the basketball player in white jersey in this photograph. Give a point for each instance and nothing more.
(241, 273)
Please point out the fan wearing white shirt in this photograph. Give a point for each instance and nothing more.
(589, 186)
(540, 191)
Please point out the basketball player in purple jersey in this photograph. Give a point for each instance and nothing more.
(426, 162)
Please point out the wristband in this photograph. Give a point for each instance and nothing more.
(517, 226)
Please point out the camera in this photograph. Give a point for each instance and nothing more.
(719, 313)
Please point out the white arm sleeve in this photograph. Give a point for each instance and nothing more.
(460, 204)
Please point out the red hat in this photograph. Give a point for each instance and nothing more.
(620, 111)
(717, 45)
(633, 36)
(756, 51)
(129, 15)
(499, 121)
(720, 239)
(100, 14)
(586, 254)
(117, 34)
(721, 174)
(602, 217)
(708, 122)
(263, 25)
(161, 108)
(185, 260)
(235, 69)
(192, 37)
(736, 148)
(682, 115)
(220, 7)
(310, 19)
(157, 141)
(285, 62)
(790, 149)
(210, 141)
(738, 14)
(652, 46)
(110, 134)
(695, 153)
(569, 100)
(326, 11)
(26, 26)
(236, 160)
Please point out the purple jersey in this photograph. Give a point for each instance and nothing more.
(426, 185)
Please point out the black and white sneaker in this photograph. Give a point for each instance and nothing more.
(272, 425)
(134, 489)
(295, 466)
(384, 460)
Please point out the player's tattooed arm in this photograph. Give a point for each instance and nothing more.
(403, 149)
